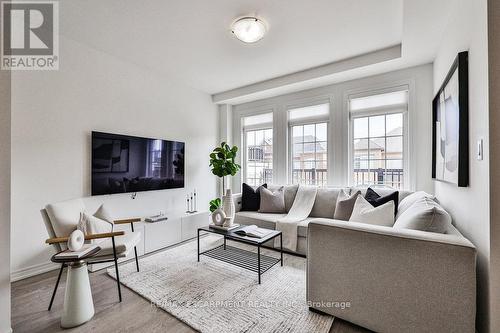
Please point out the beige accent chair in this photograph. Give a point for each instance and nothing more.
(62, 218)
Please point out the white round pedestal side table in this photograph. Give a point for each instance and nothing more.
(78, 303)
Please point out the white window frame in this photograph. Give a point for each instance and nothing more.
(244, 130)
(377, 111)
(307, 121)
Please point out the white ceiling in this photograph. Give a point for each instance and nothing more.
(191, 40)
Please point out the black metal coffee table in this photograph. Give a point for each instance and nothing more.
(239, 257)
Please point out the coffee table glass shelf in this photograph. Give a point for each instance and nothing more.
(252, 261)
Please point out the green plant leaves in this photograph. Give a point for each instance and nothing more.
(222, 160)
(215, 204)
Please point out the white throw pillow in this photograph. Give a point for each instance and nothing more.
(364, 212)
(425, 215)
(410, 200)
(90, 224)
(103, 214)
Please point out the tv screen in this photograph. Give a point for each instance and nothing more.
(122, 164)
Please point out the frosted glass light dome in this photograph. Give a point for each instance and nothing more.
(249, 29)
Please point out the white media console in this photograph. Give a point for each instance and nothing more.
(158, 235)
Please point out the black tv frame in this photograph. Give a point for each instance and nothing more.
(125, 136)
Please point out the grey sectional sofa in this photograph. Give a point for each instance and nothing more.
(382, 278)
(324, 208)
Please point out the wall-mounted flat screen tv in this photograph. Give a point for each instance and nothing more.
(122, 164)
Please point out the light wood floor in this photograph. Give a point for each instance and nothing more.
(30, 298)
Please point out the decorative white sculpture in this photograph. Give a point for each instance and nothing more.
(218, 217)
(76, 240)
(229, 208)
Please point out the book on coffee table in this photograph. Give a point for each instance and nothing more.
(253, 231)
(219, 227)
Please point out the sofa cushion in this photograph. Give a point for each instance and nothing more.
(382, 191)
(290, 193)
(364, 212)
(345, 204)
(64, 216)
(426, 215)
(324, 205)
(272, 201)
(406, 203)
(376, 199)
(263, 220)
(250, 197)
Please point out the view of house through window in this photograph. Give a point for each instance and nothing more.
(309, 147)
(378, 140)
(258, 137)
(309, 153)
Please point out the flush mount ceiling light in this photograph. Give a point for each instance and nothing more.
(249, 29)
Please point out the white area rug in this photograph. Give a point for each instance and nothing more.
(213, 296)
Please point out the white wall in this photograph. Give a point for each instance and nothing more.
(417, 79)
(5, 127)
(494, 123)
(467, 30)
(53, 114)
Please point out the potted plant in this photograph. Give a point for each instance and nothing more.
(222, 161)
(215, 204)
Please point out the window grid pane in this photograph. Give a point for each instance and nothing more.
(309, 154)
(259, 157)
(378, 150)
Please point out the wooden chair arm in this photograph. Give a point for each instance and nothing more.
(87, 237)
(125, 221)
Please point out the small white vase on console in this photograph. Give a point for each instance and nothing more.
(228, 207)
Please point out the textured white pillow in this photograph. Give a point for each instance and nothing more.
(425, 215)
(103, 214)
(410, 200)
(90, 224)
(364, 212)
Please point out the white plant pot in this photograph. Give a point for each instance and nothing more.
(229, 208)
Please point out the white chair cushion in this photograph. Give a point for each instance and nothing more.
(364, 212)
(123, 244)
(65, 216)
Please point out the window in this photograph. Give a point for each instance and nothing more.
(155, 158)
(378, 139)
(258, 154)
(309, 147)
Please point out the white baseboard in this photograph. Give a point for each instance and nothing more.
(32, 271)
